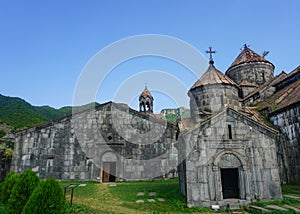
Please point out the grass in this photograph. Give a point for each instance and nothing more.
(100, 198)
(103, 198)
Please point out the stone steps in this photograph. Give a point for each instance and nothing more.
(270, 207)
(150, 200)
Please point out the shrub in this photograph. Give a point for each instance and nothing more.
(46, 198)
(7, 185)
(22, 191)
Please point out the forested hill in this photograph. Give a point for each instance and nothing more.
(18, 113)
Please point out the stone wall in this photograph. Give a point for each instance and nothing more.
(76, 147)
(288, 120)
(254, 72)
(210, 148)
(212, 99)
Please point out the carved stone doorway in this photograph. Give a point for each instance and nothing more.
(230, 183)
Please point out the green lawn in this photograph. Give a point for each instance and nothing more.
(103, 198)
(120, 199)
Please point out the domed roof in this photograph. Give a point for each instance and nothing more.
(247, 55)
(213, 76)
(146, 93)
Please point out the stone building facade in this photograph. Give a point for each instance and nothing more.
(228, 160)
(111, 142)
(226, 157)
(227, 153)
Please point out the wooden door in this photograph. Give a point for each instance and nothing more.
(109, 172)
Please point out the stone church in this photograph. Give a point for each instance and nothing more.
(241, 142)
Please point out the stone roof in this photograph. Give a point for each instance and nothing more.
(247, 55)
(184, 124)
(247, 84)
(269, 83)
(254, 119)
(213, 76)
(283, 98)
(254, 115)
(291, 74)
(146, 93)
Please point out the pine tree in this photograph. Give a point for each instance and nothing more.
(22, 190)
(47, 198)
(7, 185)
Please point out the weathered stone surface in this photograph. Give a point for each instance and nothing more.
(292, 208)
(152, 193)
(289, 121)
(140, 194)
(75, 147)
(272, 206)
(253, 157)
(260, 209)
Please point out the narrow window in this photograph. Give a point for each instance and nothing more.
(229, 132)
(222, 100)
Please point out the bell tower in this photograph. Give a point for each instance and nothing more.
(146, 101)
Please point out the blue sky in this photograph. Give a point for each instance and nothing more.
(45, 45)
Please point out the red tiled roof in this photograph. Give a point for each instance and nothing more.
(247, 55)
(213, 76)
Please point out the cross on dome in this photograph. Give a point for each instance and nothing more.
(211, 52)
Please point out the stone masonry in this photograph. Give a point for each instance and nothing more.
(76, 147)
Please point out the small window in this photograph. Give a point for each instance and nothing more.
(229, 132)
(222, 100)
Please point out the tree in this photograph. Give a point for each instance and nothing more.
(47, 198)
(7, 186)
(22, 190)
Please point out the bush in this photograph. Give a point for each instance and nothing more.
(22, 190)
(7, 185)
(46, 198)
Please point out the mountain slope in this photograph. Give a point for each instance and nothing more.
(19, 113)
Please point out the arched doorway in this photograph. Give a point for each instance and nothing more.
(230, 183)
(109, 167)
(231, 172)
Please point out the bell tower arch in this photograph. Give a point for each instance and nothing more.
(146, 101)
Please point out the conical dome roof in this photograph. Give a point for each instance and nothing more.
(247, 55)
(146, 93)
(213, 76)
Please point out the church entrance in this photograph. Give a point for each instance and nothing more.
(109, 172)
(230, 183)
